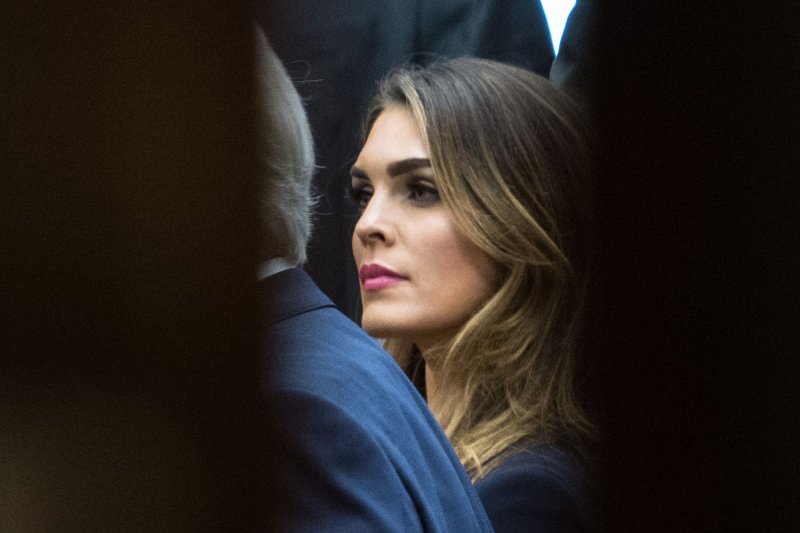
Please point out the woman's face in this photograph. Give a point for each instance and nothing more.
(420, 277)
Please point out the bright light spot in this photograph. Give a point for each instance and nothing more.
(557, 12)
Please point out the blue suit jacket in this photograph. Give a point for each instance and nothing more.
(359, 449)
(539, 489)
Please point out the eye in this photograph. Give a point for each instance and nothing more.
(423, 192)
(359, 194)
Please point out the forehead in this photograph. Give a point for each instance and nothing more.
(394, 136)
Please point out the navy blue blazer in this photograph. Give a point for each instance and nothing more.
(359, 449)
(539, 489)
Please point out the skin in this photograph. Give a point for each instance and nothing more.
(404, 227)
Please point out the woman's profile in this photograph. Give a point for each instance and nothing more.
(471, 243)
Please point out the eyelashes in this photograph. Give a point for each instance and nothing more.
(419, 192)
(423, 193)
(358, 195)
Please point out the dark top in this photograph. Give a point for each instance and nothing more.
(360, 451)
(539, 489)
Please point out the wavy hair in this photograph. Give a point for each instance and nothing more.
(512, 164)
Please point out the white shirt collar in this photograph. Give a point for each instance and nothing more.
(273, 266)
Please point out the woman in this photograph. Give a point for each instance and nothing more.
(472, 183)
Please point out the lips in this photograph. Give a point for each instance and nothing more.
(376, 277)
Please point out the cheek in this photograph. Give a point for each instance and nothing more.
(358, 249)
(461, 275)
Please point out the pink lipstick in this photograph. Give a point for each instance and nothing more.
(376, 277)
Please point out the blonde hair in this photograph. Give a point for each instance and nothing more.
(512, 163)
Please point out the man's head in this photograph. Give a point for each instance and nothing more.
(288, 160)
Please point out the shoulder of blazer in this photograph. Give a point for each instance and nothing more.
(290, 293)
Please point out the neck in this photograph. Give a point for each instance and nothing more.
(430, 386)
(433, 380)
(433, 351)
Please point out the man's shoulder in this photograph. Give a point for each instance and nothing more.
(358, 376)
(322, 352)
(323, 338)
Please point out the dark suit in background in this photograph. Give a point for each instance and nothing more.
(575, 67)
(337, 51)
(358, 448)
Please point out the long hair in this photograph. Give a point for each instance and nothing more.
(512, 164)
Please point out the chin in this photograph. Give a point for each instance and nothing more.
(378, 326)
(377, 331)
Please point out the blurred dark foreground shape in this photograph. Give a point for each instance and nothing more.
(129, 371)
(696, 315)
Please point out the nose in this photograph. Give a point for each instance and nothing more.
(374, 225)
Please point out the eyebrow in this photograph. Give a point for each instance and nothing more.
(397, 168)
(407, 165)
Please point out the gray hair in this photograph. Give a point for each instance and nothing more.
(288, 160)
